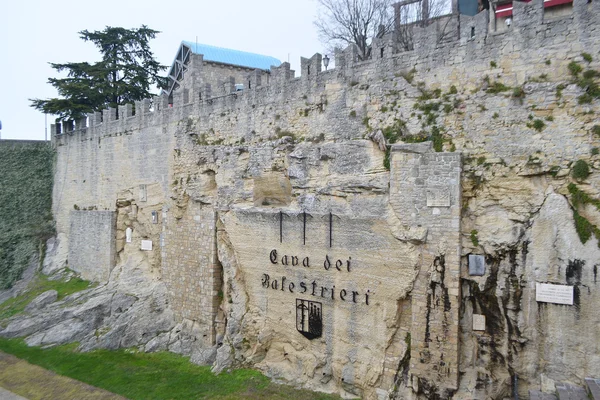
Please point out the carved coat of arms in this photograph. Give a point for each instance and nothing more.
(309, 318)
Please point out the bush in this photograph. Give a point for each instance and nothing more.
(538, 125)
(581, 170)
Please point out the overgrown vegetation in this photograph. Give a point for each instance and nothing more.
(579, 197)
(581, 170)
(25, 205)
(584, 228)
(39, 285)
(474, 238)
(537, 124)
(137, 375)
(586, 81)
(497, 87)
(392, 134)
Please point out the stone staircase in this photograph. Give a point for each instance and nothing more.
(566, 391)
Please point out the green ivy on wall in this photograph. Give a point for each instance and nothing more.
(26, 178)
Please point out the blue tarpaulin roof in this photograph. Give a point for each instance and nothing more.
(234, 57)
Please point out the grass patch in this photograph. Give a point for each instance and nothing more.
(39, 285)
(154, 375)
(574, 68)
(474, 238)
(559, 90)
(497, 87)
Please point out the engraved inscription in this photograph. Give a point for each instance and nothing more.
(438, 197)
(558, 294)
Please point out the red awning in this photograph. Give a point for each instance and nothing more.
(506, 10)
(552, 3)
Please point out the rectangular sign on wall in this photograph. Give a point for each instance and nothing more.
(558, 294)
(147, 245)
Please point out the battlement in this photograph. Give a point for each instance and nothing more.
(456, 46)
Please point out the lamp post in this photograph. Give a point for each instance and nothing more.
(326, 61)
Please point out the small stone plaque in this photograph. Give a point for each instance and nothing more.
(147, 245)
(476, 265)
(478, 322)
(550, 293)
(143, 193)
(128, 232)
(438, 197)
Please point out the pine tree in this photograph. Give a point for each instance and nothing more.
(125, 74)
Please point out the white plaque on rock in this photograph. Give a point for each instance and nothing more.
(438, 197)
(128, 232)
(558, 294)
(143, 193)
(147, 245)
(478, 322)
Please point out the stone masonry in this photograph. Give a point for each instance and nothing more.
(92, 251)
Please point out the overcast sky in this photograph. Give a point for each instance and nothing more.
(34, 33)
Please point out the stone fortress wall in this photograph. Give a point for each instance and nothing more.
(231, 176)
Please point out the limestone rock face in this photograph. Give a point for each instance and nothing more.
(42, 300)
(131, 310)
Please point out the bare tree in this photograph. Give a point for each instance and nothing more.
(420, 13)
(344, 22)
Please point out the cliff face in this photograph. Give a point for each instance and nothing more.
(379, 229)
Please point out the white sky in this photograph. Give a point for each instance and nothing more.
(36, 32)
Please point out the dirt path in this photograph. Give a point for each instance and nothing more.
(36, 383)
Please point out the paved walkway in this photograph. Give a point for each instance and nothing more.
(24, 381)
(6, 395)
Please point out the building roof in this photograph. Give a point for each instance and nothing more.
(233, 57)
